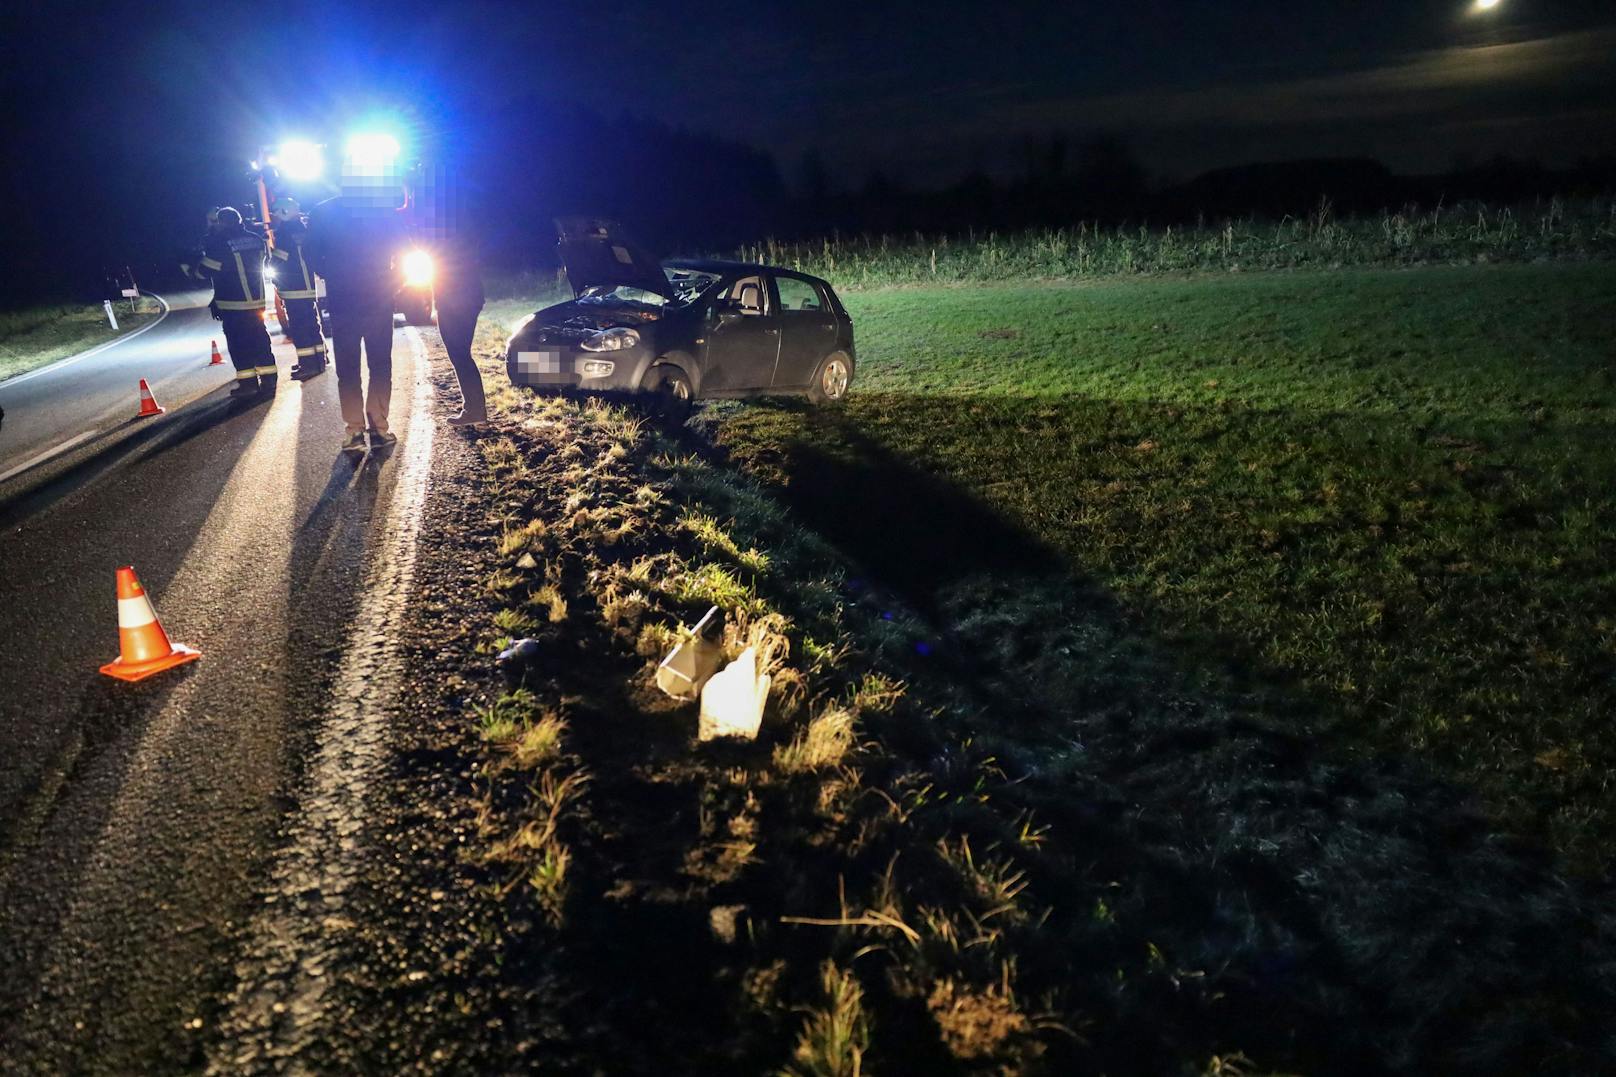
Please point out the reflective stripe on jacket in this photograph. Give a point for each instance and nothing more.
(293, 277)
(234, 258)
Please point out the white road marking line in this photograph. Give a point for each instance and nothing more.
(60, 363)
(53, 451)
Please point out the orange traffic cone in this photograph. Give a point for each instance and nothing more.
(148, 403)
(143, 646)
(218, 360)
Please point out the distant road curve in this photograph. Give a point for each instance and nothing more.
(73, 401)
(115, 341)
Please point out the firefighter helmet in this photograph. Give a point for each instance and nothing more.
(285, 207)
(229, 215)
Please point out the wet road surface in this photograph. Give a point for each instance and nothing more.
(138, 821)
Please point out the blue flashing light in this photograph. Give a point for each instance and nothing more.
(372, 149)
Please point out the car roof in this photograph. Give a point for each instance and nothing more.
(724, 267)
(715, 265)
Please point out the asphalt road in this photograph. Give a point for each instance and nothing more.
(96, 393)
(138, 820)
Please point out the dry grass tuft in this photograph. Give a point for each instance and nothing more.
(976, 1023)
(823, 743)
(551, 599)
(836, 1034)
(540, 743)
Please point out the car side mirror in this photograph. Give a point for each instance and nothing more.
(727, 312)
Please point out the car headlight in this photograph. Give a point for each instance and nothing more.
(611, 340)
(417, 269)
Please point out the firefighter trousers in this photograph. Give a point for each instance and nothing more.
(248, 343)
(308, 335)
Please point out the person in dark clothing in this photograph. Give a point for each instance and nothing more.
(191, 260)
(234, 258)
(356, 241)
(294, 282)
(446, 230)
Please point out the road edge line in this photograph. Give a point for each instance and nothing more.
(62, 448)
(47, 456)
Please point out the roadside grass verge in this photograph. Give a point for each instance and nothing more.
(994, 824)
(1381, 496)
(37, 336)
(1463, 233)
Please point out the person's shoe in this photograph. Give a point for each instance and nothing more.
(305, 371)
(381, 439)
(464, 419)
(244, 387)
(267, 383)
(356, 444)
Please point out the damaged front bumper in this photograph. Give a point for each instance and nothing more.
(546, 366)
(581, 351)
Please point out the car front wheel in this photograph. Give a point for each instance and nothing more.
(673, 392)
(832, 379)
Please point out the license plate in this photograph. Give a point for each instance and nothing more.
(539, 362)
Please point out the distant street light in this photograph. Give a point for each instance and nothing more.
(1486, 5)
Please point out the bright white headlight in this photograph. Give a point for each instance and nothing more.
(611, 340)
(418, 268)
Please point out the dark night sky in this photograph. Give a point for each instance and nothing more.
(131, 120)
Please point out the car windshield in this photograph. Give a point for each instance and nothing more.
(690, 284)
(621, 293)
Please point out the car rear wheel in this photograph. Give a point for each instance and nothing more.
(673, 394)
(832, 380)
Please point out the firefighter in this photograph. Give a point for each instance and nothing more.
(234, 258)
(191, 266)
(294, 280)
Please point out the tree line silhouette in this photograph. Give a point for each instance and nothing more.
(684, 191)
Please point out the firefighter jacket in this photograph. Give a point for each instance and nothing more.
(234, 258)
(293, 277)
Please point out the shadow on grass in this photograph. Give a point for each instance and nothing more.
(1215, 882)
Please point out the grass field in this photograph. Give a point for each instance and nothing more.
(36, 336)
(1463, 233)
(1379, 496)
(1139, 651)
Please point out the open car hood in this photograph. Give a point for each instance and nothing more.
(597, 254)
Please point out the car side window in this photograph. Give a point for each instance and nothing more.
(745, 296)
(798, 294)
